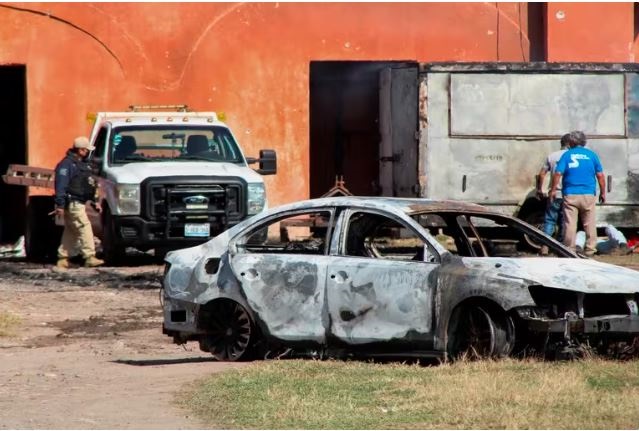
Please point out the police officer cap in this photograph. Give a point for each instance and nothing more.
(82, 142)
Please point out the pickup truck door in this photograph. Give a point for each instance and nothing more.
(98, 160)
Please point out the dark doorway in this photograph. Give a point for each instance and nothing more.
(344, 125)
(13, 149)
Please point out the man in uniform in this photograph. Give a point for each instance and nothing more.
(73, 188)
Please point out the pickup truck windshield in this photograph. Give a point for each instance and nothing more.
(172, 143)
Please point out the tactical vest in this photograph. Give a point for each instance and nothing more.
(81, 186)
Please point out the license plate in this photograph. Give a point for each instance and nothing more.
(200, 230)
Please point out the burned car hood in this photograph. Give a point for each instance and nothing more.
(580, 275)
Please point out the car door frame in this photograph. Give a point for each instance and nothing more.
(369, 318)
(297, 318)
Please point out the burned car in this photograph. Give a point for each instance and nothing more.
(393, 277)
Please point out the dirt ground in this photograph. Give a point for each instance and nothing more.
(89, 353)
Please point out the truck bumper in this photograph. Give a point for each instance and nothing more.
(179, 319)
(135, 231)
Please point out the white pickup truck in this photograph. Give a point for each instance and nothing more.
(168, 178)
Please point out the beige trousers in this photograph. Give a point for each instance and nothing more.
(77, 238)
(575, 207)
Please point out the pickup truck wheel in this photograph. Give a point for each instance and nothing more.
(42, 235)
(476, 333)
(229, 331)
(112, 252)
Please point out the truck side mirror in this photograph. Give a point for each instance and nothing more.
(96, 165)
(267, 160)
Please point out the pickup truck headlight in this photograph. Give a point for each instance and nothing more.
(256, 198)
(128, 199)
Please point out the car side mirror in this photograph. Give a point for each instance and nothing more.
(267, 161)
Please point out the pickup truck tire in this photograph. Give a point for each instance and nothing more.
(112, 252)
(42, 236)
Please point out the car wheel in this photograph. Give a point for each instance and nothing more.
(476, 334)
(113, 253)
(229, 331)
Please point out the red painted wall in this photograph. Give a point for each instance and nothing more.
(591, 32)
(251, 60)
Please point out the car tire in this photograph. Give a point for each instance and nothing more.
(474, 332)
(112, 252)
(230, 334)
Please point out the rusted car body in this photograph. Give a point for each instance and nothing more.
(393, 277)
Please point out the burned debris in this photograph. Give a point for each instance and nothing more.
(348, 276)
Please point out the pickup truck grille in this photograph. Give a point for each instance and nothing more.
(194, 200)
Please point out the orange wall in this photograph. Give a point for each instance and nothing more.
(591, 32)
(251, 60)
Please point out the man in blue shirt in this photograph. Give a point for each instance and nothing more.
(581, 171)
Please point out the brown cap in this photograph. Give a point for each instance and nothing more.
(82, 142)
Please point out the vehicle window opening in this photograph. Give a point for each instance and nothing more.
(292, 234)
(492, 237)
(158, 143)
(379, 237)
(480, 235)
(437, 227)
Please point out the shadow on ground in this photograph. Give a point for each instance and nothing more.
(160, 361)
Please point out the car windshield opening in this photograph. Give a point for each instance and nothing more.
(481, 235)
(173, 143)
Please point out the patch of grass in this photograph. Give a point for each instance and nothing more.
(297, 394)
(8, 322)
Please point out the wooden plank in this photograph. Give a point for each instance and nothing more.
(23, 175)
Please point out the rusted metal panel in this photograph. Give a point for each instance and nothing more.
(499, 171)
(536, 105)
(528, 67)
(398, 122)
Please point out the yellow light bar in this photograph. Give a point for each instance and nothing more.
(91, 116)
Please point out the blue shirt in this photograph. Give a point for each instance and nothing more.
(579, 167)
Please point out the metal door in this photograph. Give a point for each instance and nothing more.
(398, 124)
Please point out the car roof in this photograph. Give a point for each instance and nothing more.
(406, 205)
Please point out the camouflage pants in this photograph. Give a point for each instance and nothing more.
(77, 238)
